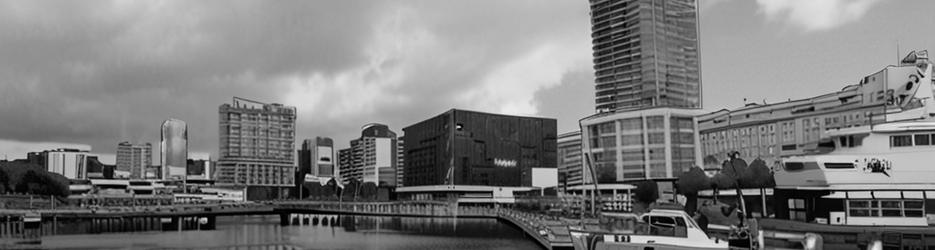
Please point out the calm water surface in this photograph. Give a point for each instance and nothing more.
(350, 232)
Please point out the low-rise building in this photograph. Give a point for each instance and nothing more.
(476, 156)
(71, 163)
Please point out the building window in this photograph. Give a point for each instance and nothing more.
(636, 139)
(657, 138)
(655, 122)
(632, 124)
(606, 128)
(900, 140)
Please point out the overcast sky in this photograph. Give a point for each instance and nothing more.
(93, 73)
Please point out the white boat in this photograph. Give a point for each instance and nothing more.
(880, 175)
(660, 229)
(866, 183)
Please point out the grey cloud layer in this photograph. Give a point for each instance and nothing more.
(99, 72)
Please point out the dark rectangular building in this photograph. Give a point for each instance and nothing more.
(462, 147)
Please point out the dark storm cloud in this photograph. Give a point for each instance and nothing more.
(443, 51)
(99, 72)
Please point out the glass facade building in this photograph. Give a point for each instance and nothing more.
(658, 143)
(645, 53)
(462, 147)
(174, 149)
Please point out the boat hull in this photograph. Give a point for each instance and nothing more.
(585, 240)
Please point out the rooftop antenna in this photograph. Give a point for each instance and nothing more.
(897, 52)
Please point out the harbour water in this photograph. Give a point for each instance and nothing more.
(329, 232)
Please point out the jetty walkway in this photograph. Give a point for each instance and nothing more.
(19, 224)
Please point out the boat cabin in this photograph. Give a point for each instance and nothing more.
(880, 175)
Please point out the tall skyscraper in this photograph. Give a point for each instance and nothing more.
(132, 160)
(174, 149)
(257, 147)
(372, 157)
(647, 92)
(645, 54)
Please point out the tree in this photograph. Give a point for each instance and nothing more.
(4, 182)
(42, 183)
(329, 190)
(689, 183)
(731, 173)
(735, 167)
(711, 160)
(758, 175)
(24, 177)
(646, 191)
(368, 191)
(350, 190)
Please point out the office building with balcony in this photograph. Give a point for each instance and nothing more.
(401, 162)
(473, 156)
(132, 160)
(257, 148)
(372, 157)
(174, 149)
(646, 53)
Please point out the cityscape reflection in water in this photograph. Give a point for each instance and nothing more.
(335, 232)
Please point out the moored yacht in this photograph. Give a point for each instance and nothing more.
(869, 182)
(876, 175)
(657, 229)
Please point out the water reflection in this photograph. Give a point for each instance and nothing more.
(331, 232)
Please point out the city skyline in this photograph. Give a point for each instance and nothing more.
(106, 82)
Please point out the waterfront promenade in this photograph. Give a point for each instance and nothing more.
(549, 232)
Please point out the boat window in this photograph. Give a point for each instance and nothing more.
(661, 221)
(839, 165)
(891, 208)
(680, 222)
(799, 166)
(900, 140)
(886, 208)
(914, 208)
(794, 166)
(922, 140)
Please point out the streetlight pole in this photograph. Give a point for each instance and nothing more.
(587, 160)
